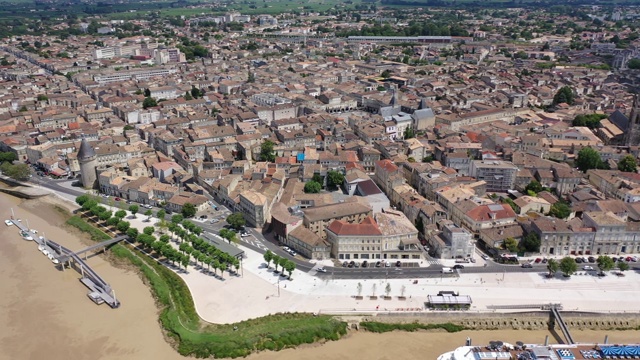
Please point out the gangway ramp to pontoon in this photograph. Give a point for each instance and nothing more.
(563, 327)
(102, 244)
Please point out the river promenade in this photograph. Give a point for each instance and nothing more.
(259, 291)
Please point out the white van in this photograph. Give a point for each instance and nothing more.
(447, 270)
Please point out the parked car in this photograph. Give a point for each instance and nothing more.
(322, 270)
(545, 260)
(117, 199)
(588, 268)
(458, 266)
(352, 264)
(285, 248)
(378, 263)
(527, 265)
(592, 259)
(244, 234)
(398, 263)
(147, 206)
(538, 260)
(345, 264)
(356, 264)
(365, 264)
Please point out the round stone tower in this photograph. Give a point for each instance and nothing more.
(88, 160)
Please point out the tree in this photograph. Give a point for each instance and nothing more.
(132, 233)
(123, 226)
(187, 96)
(19, 172)
(105, 215)
(312, 187)
(268, 256)
(623, 266)
(634, 64)
(149, 102)
(605, 263)
(161, 214)
(530, 243)
(283, 262)
(42, 97)
(227, 234)
(236, 220)
(289, 266)
(510, 244)
(148, 214)
(177, 219)
(82, 199)
(592, 121)
(276, 261)
(628, 164)
(334, 179)
(552, 267)
(409, 133)
(8, 156)
(112, 221)
(568, 266)
(195, 92)
(188, 210)
(589, 158)
(564, 95)
(560, 210)
(387, 289)
(120, 214)
(148, 230)
(534, 186)
(134, 209)
(386, 74)
(266, 151)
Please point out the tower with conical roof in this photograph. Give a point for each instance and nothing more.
(88, 160)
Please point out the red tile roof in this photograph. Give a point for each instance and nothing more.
(485, 212)
(368, 226)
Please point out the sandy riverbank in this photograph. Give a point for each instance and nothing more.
(45, 313)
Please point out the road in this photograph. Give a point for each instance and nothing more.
(257, 242)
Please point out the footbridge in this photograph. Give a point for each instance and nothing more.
(554, 316)
(65, 257)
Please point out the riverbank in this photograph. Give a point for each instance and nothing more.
(46, 313)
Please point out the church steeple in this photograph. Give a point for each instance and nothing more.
(423, 104)
(394, 98)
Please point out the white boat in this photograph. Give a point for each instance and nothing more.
(25, 235)
(40, 247)
(55, 261)
(8, 222)
(45, 252)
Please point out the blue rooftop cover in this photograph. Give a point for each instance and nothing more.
(300, 157)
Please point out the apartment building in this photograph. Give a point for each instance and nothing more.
(500, 176)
